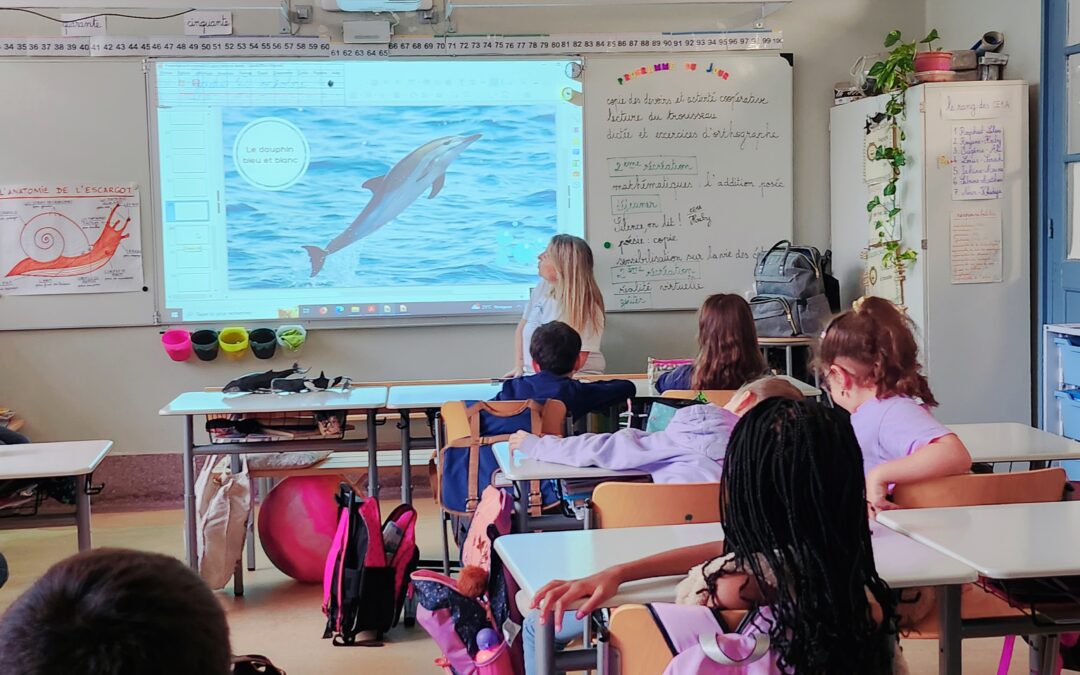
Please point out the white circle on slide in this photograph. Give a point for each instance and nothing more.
(271, 153)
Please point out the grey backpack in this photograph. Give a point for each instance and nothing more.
(794, 272)
(778, 316)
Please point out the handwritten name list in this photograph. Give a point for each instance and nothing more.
(978, 161)
(689, 175)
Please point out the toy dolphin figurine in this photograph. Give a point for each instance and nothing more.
(261, 382)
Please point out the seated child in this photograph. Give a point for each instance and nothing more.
(557, 355)
(869, 362)
(797, 552)
(690, 450)
(728, 355)
(110, 611)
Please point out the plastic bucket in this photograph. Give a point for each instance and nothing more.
(291, 338)
(177, 344)
(263, 342)
(233, 341)
(205, 344)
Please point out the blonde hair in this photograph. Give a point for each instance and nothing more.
(575, 289)
(771, 387)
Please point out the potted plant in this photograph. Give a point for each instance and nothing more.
(932, 59)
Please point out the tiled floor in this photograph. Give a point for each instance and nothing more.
(282, 619)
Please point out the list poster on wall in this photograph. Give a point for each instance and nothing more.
(978, 161)
(69, 238)
(975, 244)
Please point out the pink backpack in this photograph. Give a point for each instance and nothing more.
(367, 569)
(699, 645)
(495, 509)
(454, 621)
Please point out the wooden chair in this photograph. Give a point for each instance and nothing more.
(1026, 487)
(456, 425)
(637, 646)
(643, 504)
(714, 396)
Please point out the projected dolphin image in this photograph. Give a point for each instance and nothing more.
(393, 193)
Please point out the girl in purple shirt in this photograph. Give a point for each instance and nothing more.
(868, 358)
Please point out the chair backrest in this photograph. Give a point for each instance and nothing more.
(456, 419)
(640, 647)
(643, 504)
(1022, 487)
(714, 396)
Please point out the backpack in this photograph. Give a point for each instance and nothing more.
(700, 645)
(779, 316)
(795, 272)
(454, 621)
(466, 465)
(367, 568)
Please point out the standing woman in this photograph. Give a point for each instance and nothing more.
(567, 292)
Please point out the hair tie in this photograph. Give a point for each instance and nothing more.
(857, 305)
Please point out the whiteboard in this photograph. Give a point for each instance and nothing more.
(688, 165)
(78, 120)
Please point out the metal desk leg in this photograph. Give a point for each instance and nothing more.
(522, 515)
(545, 647)
(949, 639)
(372, 455)
(238, 571)
(190, 547)
(406, 468)
(82, 511)
(443, 518)
(789, 360)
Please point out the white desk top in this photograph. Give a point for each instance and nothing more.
(520, 467)
(415, 396)
(206, 402)
(51, 460)
(1013, 442)
(536, 558)
(1009, 541)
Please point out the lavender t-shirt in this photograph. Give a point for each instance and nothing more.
(895, 427)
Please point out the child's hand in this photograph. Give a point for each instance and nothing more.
(516, 372)
(554, 596)
(877, 495)
(517, 438)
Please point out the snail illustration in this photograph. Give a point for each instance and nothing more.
(60, 248)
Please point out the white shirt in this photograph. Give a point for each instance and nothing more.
(544, 308)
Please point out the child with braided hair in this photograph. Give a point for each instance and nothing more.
(796, 549)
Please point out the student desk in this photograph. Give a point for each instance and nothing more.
(1003, 542)
(788, 344)
(1014, 442)
(58, 460)
(521, 470)
(537, 558)
(429, 398)
(191, 404)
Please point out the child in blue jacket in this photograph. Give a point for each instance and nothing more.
(557, 355)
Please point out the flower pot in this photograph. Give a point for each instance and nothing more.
(233, 341)
(933, 61)
(177, 343)
(205, 343)
(263, 342)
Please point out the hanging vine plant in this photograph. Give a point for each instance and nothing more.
(893, 76)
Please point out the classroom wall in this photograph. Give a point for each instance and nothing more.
(109, 383)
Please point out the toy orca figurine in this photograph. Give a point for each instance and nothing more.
(261, 382)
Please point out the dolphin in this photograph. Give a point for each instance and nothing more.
(393, 193)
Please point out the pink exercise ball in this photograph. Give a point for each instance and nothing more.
(297, 522)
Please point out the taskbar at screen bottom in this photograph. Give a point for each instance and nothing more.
(381, 310)
(366, 310)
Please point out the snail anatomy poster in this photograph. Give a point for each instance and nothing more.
(69, 238)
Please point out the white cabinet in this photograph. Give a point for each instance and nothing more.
(975, 337)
